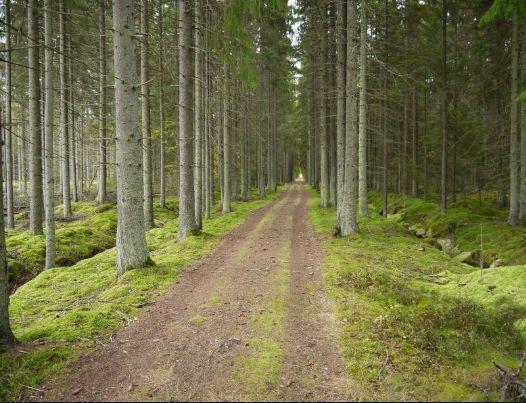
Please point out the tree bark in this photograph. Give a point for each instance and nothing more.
(362, 129)
(6, 335)
(227, 187)
(10, 215)
(198, 137)
(64, 138)
(36, 207)
(48, 128)
(102, 183)
(443, 176)
(187, 224)
(522, 212)
(145, 119)
(349, 219)
(514, 124)
(132, 251)
(324, 149)
(260, 145)
(341, 20)
(162, 173)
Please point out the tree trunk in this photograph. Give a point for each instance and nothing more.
(362, 136)
(64, 138)
(443, 176)
(187, 224)
(385, 115)
(260, 145)
(162, 173)
(145, 120)
(132, 251)
(324, 149)
(6, 335)
(36, 207)
(10, 217)
(350, 201)
(514, 124)
(102, 186)
(48, 127)
(414, 148)
(341, 19)
(522, 212)
(227, 187)
(198, 135)
(71, 121)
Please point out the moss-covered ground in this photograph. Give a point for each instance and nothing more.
(463, 223)
(65, 310)
(91, 230)
(416, 324)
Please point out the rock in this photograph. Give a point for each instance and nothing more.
(420, 232)
(413, 228)
(447, 246)
(497, 263)
(471, 258)
(429, 233)
(421, 248)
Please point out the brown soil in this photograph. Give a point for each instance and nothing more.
(199, 341)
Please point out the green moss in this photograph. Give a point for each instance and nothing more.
(395, 299)
(198, 320)
(92, 230)
(69, 309)
(260, 368)
(462, 223)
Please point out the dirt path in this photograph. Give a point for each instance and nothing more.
(249, 321)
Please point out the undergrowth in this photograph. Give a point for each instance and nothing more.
(462, 223)
(65, 310)
(415, 323)
(91, 230)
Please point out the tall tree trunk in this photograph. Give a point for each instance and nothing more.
(514, 124)
(10, 216)
(341, 55)
(244, 152)
(260, 145)
(162, 173)
(227, 186)
(145, 120)
(64, 138)
(36, 207)
(414, 148)
(48, 127)
(385, 114)
(522, 212)
(71, 121)
(324, 149)
(443, 176)
(132, 251)
(198, 136)
(362, 136)
(102, 184)
(6, 335)
(349, 219)
(187, 224)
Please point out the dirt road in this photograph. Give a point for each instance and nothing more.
(249, 321)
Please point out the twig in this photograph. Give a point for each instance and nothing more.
(521, 366)
(382, 367)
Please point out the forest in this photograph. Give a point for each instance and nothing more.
(263, 200)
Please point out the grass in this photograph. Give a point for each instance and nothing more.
(63, 311)
(462, 223)
(92, 231)
(418, 325)
(259, 368)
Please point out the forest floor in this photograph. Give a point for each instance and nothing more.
(249, 321)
